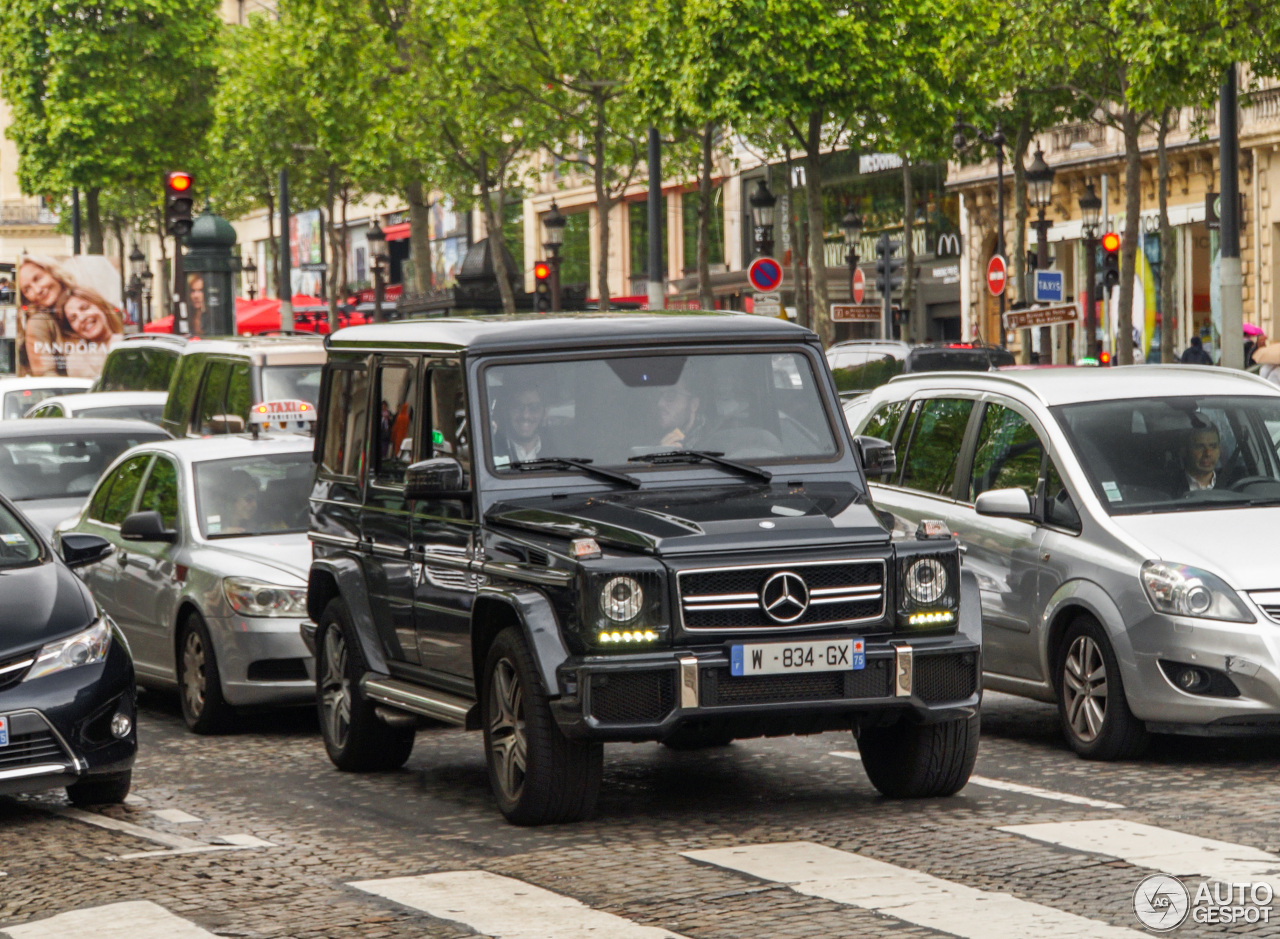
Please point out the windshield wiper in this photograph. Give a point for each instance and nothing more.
(578, 463)
(703, 456)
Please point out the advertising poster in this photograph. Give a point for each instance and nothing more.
(68, 314)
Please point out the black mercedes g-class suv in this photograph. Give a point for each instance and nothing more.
(566, 530)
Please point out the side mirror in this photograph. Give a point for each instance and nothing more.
(80, 550)
(1004, 503)
(146, 526)
(441, 477)
(878, 458)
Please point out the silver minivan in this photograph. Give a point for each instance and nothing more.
(1119, 522)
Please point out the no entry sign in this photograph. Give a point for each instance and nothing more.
(765, 274)
(859, 285)
(997, 275)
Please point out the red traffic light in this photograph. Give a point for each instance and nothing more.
(178, 181)
(541, 270)
(1104, 358)
(1110, 242)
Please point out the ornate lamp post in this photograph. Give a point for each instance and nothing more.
(553, 223)
(137, 265)
(1040, 191)
(1090, 218)
(377, 240)
(763, 203)
(996, 138)
(250, 271)
(851, 225)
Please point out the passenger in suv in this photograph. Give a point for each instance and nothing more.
(616, 584)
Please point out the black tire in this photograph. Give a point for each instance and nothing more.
(109, 790)
(204, 708)
(695, 737)
(1098, 726)
(920, 761)
(356, 739)
(538, 775)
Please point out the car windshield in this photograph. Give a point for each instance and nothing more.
(139, 412)
(253, 495)
(758, 407)
(1172, 454)
(18, 546)
(60, 467)
(291, 383)
(17, 403)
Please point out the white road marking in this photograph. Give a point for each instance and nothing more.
(177, 816)
(904, 894)
(988, 783)
(128, 828)
(136, 919)
(1170, 852)
(505, 908)
(134, 799)
(244, 841)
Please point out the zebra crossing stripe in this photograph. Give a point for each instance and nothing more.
(911, 896)
(505, 908)
(1170, 852)
(135, 919)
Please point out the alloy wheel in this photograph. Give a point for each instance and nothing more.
(193, 673)
(1084, 688)
(508, 742)
(335, 688)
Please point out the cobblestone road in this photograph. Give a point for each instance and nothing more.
(254, 834)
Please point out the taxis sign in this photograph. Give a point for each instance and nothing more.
(282, 412)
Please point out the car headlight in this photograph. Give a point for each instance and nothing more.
(926, 581)
(623, 611)
(84, 648)
(1190, 591)
(928, 594)
(251, 597)
(621, 599)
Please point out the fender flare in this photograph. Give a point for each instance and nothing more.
(1091, 598)
(349, 577)
(541, 629)
(970, 606)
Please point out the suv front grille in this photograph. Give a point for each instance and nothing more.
(942, 678)
(731, 598)
(638, 697)
(31, 750)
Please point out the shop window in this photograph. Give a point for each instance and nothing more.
(715, 246)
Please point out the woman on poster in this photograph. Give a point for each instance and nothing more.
(93, 326)
(42, 284)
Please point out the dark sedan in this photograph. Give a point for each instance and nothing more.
(67, 698)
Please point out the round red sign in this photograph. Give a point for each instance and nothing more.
(997, 275)
(859, 285)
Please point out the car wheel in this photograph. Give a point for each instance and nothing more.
(199, 684)
(110, 790)
(1092, 705)
(357, 740)
(538, 775)
(920, 761)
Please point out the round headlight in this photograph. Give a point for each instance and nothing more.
(926, 581)
(1199, 599)
(621, 599)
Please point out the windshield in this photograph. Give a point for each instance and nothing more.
(60, 467)
(762, 407)
(17, 403)
(291, 383)
(17, 545)
(1172, 454)
(253, 495)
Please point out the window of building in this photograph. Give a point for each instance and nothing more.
(575, 253)
(715, 246)
(638, 230)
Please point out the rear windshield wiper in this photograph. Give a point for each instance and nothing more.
(578, 463)
(703, 456)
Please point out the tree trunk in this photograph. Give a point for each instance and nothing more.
(344, 281)
(331, 194)
(604, 201)
(908, 256)
(1129, 243)
(706, 298)
(821, 309)
(419, 235)
(1168, 254)
(93, 220)
(1022, 142)
(493, 225)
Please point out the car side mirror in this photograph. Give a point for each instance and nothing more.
(441, 477)
(146, 526)
(1004, 503)
(80, 550)
(878, 458)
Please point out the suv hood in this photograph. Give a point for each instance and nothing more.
(703, 518)
(41, 603)
(1228, 542)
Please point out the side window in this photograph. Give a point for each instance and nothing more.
(1008, 455)
(239, 397)
(123, 488)
(450, 435)
(397, 400)
(160, 494)
(345, 419)
(177, 409)
(904, 437)
(120, 367)
(885, 421)
(935, 445)
(1059, 510)
(213, 397)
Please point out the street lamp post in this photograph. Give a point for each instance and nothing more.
(554, 225)
(763, 203)
(1090, 217)
(137, 265)
(851, 225)
(1040, 191)
(996, 139)
(250, 271)
(377, 240)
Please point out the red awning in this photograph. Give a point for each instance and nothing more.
(397, 232)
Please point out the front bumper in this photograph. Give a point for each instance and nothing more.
(263, 660)
(648, 696)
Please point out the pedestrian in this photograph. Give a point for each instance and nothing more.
(1194, 354)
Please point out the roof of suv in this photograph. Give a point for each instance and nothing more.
(249, 345)
(1054, 386)
(567, 330)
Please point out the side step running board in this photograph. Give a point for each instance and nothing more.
(437, 705)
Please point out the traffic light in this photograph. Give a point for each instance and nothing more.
(888, 280)
(1110, 259)
(1104, 357)
(541, 286)
(177, 203)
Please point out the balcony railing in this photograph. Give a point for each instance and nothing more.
(16, 212)
(1080, 136)
(1262, 106)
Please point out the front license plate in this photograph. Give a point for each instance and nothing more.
(784, 658)
(4, 731)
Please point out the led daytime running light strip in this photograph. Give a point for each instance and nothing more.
(928, 619)
(647, 636)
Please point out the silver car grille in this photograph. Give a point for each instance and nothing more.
(839, 592)
(1269, 601)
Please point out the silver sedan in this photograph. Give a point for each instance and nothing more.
(209, 575)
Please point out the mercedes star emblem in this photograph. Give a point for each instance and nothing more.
(784, 597)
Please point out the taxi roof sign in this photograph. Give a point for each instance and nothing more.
(282, 412)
